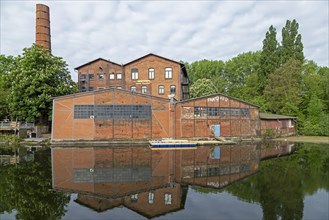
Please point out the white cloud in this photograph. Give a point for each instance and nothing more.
(180, 30)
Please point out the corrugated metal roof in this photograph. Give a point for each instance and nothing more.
(274, 116)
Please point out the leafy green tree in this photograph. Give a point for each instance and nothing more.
(291, 44)
(202, 87)
(7, 64)
(269, 58)
(37, 78)
(283, 92)
(237, 71)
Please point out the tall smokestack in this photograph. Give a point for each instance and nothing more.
(42, 34)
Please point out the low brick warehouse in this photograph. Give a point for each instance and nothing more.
(122, 114)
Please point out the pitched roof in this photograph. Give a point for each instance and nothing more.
(274, 116)
(152, 54)
(216, 94)
(98, 59)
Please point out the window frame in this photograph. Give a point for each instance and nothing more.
(144, 88)
(170, 73)
(131, 89)
(134, 74)
(91, 76)
(151, 73)
(162, 87)
(172, 86)
(119, 74)
(101, 76)
(111, 76)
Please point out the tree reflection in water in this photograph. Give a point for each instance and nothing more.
(26, 189)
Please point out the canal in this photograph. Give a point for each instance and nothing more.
(275, 180)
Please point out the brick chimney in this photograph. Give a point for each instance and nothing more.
(42, 32)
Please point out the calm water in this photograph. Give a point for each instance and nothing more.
(250, 181)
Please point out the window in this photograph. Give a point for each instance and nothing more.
(161, 90)
(291, 124)
(144, 89)
(168, 73)
(168, 199)
(119, 76)
(173, 89)
(91, 76)
(112, 76)
(134, 198)
(133, 88)
(151, 73)
(83, 77)
(100, 88)
(151, 197)
(119, 87)
(101, 76)
(134, 74)
(91, 88)
(116, 112)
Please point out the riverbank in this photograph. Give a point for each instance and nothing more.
(306, 139)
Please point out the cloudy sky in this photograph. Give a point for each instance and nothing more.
(180, 30)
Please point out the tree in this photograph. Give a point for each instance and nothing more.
(37, 78)
(269, 58)
(291, 44)
(283, 92)
(237, 71)
(202, 87)
(7, 64)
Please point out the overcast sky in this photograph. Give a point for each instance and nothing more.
(82, 31)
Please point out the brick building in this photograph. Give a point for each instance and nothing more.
(112, 114)
(150, 74)
(281, 125)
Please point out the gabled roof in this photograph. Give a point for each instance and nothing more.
(217, 94)
(274, 116)
(98, 59)
(152, 54)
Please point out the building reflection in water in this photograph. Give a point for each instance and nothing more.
(152, 182)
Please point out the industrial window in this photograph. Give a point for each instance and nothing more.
(134, 74)
(112, 76)
(144, 89)
(215, 111)
(119, 76)
(173, 89)
(133, 88)
(83, 111)
(151, 73)
(161, 90)
(101, 76)
(91, 76)
(112, 111)
(168, 73)
(168, 199)
(200, 111)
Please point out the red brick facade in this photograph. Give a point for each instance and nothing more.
(150, 74)
(186, 119)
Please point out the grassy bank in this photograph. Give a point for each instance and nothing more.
(308, 139)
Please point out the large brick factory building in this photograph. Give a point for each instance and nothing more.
(147, 98)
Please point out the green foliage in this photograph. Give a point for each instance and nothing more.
(291, 44)
(283, 93)
(202, 87)
(37, 77)
(268, 134)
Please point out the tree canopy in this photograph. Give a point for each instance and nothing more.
(31, 81)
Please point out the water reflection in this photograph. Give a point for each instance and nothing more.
(152, 182)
